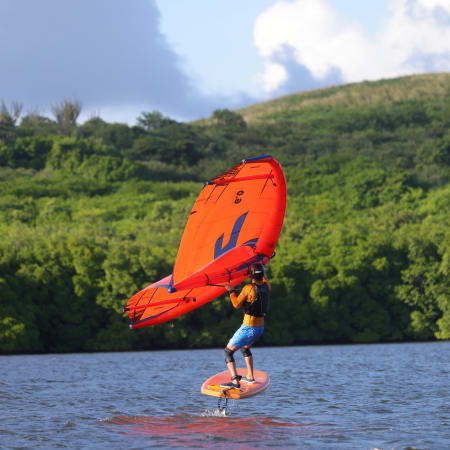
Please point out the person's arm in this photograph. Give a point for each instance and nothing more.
(239, 300)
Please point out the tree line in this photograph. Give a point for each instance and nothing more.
(91, 213)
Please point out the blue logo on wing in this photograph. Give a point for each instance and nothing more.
(218, 249)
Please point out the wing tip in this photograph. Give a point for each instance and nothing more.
(256, 158)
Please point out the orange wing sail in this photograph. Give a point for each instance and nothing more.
(234, 223)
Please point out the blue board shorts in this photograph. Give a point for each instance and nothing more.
(246, 335)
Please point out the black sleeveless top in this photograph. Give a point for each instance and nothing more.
(259, 306)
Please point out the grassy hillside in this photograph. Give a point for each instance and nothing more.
(91, 213)
(386, 92)
(364, 94)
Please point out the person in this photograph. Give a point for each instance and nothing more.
(254, 299)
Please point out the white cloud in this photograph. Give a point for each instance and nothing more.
(275, 74)
(431, 4)
(415, 38)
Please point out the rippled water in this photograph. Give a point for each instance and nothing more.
(392, 396)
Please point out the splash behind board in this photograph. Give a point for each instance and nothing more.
(212, 385)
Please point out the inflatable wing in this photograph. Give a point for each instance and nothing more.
(234, 223)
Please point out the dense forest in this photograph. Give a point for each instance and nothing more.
(91, 213)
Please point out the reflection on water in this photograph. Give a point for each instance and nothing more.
(195, 430)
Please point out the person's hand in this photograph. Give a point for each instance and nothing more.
(228, 287)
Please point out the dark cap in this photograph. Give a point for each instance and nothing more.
(257, 271)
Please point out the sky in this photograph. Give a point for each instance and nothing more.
(186, 58)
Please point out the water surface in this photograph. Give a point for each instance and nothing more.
(392, 396)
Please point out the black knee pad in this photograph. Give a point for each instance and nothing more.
(228, 355)
(246, 352)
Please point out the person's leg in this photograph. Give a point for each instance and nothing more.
(248, 357)
(231, 365)
(255, 334)
(234, 344)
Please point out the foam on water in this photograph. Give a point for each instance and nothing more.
(218, 412)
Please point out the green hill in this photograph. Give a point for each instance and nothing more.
(386, 92)
(91, 213)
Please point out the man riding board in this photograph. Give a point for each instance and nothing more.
(254, 299)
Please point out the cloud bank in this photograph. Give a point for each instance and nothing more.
(307, 43)
(110, 55)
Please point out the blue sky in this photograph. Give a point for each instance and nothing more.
(187, 58)
(215, 41)
(215, 38)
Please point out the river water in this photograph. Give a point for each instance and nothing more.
(391, 396)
